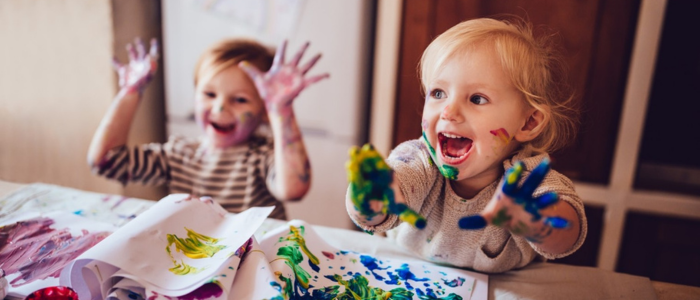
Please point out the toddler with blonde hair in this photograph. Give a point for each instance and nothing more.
(492, 112)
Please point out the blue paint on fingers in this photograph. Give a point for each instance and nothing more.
(472, 222)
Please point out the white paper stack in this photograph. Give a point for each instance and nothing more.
(180, 246)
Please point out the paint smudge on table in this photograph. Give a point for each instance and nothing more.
(36, 251)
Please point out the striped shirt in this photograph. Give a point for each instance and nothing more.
(235, 176)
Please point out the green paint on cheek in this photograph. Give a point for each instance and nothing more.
(502, 217)
(449, 172)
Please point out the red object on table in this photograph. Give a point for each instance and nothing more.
(53, 293)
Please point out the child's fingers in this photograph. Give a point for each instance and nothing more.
(312, 80)
(297, 57)
(279, 55)
(535, 178)
(116, 64)
(546, 200)
(310, 64)
(472, 222)
(556, 222)
(511, 178)
(131, 51)
(140, 50)
(408, 215)
(153, 52)
(250, 69)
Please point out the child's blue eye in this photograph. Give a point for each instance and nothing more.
(478, 99)
(437, 94)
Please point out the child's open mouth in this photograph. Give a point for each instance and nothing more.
(454, 148)
(223, 128)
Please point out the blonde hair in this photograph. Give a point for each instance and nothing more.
(531, 63)
(230, 52)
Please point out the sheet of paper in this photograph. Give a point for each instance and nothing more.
(172, 249)
(306, 266)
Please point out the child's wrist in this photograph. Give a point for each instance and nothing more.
(127, 92)
(280, 110)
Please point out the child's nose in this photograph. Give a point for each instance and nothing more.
(219, 104)
(451, 113)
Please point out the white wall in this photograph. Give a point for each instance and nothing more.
(56, 83)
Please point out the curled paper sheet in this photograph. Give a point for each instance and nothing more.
(179, 246)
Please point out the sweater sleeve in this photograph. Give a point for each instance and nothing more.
(413, 169)
(147, 163)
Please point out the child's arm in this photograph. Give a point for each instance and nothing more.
(113, 130)
(374, 191)
(291, 176)
(553, 225)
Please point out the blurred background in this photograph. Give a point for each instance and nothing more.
(633, 63)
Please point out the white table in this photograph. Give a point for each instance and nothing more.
(539, 280)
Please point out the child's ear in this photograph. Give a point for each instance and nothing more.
(532, 127)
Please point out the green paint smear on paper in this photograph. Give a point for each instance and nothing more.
(195, 246)
(296, 236)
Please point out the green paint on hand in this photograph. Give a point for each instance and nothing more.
(370, 179)
(502, 217)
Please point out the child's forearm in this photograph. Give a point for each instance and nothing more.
(114, 128)
(557, 241)
(292, 177)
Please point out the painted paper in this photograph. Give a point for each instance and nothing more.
(303, 266)
(180, 246)
(33, 251)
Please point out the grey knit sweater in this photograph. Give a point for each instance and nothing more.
(491, 249)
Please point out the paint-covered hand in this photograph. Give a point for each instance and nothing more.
(135, 76)
(370, 179)
(284, 81)
(515, 208)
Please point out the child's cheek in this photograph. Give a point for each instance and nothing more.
(501, 139)
(424, 124)
(201, 118)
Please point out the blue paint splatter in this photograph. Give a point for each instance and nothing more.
(372, 264)
(455, 282)
(405, 274)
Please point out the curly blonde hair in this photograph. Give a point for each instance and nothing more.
(533, 66)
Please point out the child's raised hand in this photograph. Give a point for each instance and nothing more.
(370, 179)
(284, 81)
(135, 76)
(515, 209)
